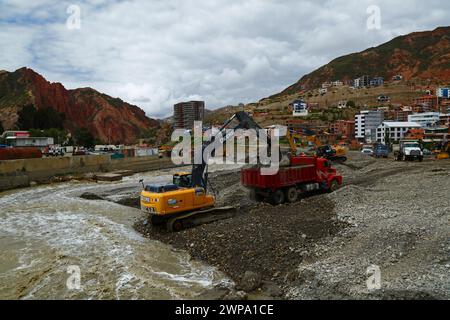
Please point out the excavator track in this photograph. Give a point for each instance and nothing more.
(197, 218)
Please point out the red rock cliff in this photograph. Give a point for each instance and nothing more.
(109, 119)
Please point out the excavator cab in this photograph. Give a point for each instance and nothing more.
(325, 151)
(182, 179)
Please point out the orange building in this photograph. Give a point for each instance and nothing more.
(415, 134)
(343, 128)
(427, 103)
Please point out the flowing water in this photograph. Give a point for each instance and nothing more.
(45, 231)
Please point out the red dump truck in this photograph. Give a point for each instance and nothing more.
(303, 175)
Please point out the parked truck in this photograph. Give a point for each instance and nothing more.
(380, 151)
(409, 150)
(304, 174)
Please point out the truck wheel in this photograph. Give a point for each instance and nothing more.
(291, 194)
(255, 196)
(277, 198)
(334, 185)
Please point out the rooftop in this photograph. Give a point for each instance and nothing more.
(401, 124)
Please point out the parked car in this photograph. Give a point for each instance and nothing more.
(427, 152)
(367, 151)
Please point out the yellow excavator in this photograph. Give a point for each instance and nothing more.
(185, 202)
(444, 152)
(332, 153)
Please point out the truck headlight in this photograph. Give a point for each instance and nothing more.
(145, 199)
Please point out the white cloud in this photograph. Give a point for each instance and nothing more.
(156, 53)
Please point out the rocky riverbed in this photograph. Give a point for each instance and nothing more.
(391, 215)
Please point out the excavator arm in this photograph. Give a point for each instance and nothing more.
(200, 171)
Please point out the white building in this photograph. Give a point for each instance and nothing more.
(360, 128)
(300, 108)
(425, 119)
(342, 104)
(39, 142)
(394, 131)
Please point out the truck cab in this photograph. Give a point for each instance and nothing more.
(409, 150)
(381, 151)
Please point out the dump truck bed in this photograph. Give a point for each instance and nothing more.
(286, 176)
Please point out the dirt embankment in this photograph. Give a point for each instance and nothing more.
(322, 246)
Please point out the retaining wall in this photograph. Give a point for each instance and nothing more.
(19, 173)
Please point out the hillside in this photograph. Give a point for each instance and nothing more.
(419, 55)
(107, 118)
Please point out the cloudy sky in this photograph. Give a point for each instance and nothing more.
(155, 53)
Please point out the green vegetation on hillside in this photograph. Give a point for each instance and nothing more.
(82, 137)
(47, 118)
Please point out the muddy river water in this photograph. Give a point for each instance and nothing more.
(48, 232)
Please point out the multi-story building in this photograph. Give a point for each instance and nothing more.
(444, 119)
(426, 119)
(366, 124)
(391, 131)
(343, 128)
(427, 103)
(185, 113)
(436, 134)
(364, 81)
(299, 108)
(443, 93)
(378, 81)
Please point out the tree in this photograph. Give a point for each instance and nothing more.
(26, 117)
(46, 118)
(83, 137)
(351, 104)
(149, 135)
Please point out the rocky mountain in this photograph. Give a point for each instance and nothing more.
(108, 119)
(419, 55)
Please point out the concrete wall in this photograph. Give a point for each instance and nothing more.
(19, 173)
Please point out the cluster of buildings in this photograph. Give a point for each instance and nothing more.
(361, 82)
(366, 81)
(373, 126)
